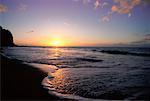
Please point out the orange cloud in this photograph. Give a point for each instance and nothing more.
(3, 8)
(114, 8)
(118, 6)
(124, 6)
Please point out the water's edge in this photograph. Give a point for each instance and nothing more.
(47, 85)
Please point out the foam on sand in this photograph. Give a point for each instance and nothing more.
(52, 91)
(44, 67)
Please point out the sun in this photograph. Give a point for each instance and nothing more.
(56, 43)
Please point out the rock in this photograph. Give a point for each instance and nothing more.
(6, 37)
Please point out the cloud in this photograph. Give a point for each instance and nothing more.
(105, 19)
(129, 15)
(124, 6)
(3, 8)
(86, 1)
(117, 6)
(66, 24)
(104, 4)
(147, 37)
(144, 40)
(23, 7)
(31, 31)
(97, 4)
(83, 1)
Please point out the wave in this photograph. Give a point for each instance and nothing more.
(52, 91)
(89, 59)
(117, 52)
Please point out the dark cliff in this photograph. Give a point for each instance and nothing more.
(6, 37)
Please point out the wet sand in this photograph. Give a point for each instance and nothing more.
(22, 82)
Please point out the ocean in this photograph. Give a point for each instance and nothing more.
(90, 72)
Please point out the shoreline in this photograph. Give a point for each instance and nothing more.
(69, 83)
(20, 81)
(30, 88)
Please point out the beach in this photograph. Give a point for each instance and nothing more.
(44, 73)
(20, 81)
(82, 50)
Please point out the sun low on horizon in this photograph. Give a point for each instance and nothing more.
(52, 42)
(56, 43)
(77, 22)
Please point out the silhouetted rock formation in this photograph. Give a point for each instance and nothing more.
(6, 37)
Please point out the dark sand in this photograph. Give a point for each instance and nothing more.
(22, 82)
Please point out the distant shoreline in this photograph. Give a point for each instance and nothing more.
(79, 46)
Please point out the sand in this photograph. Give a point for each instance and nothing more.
(20, 81)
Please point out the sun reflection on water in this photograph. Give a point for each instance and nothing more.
(58, 81)
(55, 53)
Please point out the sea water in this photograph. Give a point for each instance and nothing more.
(91, 72)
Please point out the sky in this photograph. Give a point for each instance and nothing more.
(77, 22)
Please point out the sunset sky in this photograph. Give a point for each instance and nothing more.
(77, 22)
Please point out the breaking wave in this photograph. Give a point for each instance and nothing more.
(117, 52)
